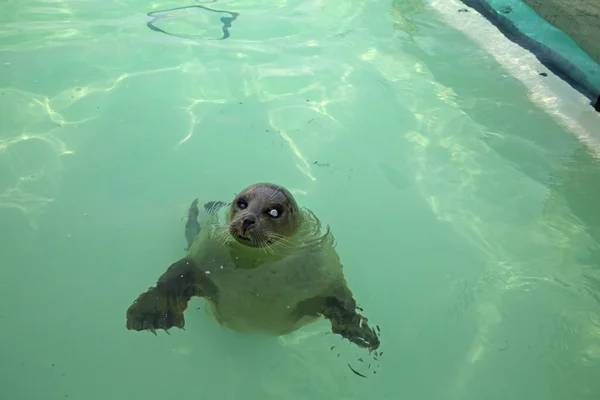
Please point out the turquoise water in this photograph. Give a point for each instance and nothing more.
(465, 215)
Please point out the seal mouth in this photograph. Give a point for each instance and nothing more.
(244, 238)
(250, 237)
(247, 241)
(241, 235)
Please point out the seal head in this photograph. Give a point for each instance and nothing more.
(263, 214)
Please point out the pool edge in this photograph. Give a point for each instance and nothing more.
(551, 59)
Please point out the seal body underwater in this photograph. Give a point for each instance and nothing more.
(264, 265)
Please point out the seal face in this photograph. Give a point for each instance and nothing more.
(263, 266)
(263, 214)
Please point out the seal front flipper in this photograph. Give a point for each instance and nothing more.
(192, 227)
(162, 306)
(213, 206)
(349, 324)
(339, 308)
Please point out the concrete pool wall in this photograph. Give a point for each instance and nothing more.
(563, 35)
(580, 19)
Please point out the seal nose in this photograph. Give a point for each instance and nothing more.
(248, 221)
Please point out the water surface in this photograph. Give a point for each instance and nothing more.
(465, 215)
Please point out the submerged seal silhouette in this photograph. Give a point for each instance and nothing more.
(264, 265)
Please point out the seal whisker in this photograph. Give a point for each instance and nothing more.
(225, 237)
(281, 246)
(279, 241)
(268, 248)
(222, 235)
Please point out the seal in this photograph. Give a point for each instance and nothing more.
(263, 264)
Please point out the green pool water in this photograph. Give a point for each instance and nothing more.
(462, 188)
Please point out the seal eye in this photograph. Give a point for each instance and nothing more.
(274, 213)
(242, 204)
